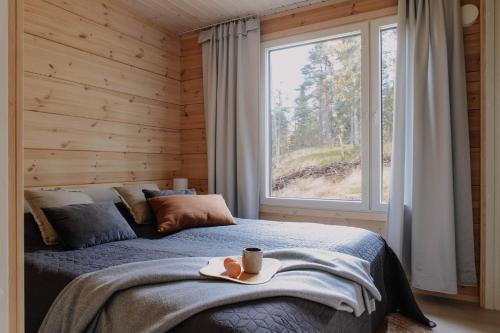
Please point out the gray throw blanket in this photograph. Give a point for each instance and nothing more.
(154, 296)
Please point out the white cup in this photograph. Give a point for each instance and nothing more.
(252, 260)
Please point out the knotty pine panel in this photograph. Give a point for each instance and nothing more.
(201, 185)
(193, 141)
(194, 166)
(102, 96)
(475, 157)
(475, 128)
(53, 23)
(55, 60)
(191, 59)
(193, 138)
(191, 67)
(51, 131)
(51, 95)
(61, 167)
(190, 46)
(108, 14)
(193, 117)
(192, 91)
(319, 14)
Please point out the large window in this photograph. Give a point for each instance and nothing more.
(327, 112)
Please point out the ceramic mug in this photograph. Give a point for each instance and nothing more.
(252, 260)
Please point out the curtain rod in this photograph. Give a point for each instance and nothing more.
(215, 24)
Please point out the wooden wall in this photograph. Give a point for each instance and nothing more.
(193, 138)
(314, 18)
(102, 100)
(472, 45)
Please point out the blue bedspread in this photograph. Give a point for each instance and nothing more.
(49, 269)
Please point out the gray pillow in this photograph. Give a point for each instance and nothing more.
(84, 225)
(39, 199)
(153, 194)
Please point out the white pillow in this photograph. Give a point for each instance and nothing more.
(136, 202)
(38, 199)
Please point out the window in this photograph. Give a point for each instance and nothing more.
(327, 113)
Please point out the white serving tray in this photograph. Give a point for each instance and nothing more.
(215, 268)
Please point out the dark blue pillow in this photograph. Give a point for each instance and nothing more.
(85, 225)
(153, 193)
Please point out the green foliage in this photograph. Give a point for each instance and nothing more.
(388, 65)
(326, 115)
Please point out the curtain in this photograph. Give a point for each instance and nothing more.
(231, 69)
(430, 207)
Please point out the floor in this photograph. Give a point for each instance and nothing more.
(459, 317)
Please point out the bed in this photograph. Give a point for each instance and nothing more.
(49, 269)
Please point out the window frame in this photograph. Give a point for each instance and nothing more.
(376, 179)
(368, 87)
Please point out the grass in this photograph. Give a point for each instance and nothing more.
(348, 188)
(314, 157)
(323, 188)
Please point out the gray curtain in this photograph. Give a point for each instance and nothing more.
(430, 208)
(231, 69)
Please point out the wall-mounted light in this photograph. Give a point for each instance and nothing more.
(469, 15)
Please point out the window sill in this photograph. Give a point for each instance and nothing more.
(373, 221)
(330, 213)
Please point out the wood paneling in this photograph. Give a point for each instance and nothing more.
(51, 95)
(51, 131)
(162, 184)
(193, 139)
(194, 166)
(14, 225)
(191, 60)
(56, 60)
(336, 11)
(51, 22)
(201, 185)
(192, 91)
(102, 96)
(472, 48)
(58, 167)
(193, 116)
(113, 16)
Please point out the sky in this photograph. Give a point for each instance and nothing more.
(286, 65)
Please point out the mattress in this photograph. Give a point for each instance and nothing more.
(49, 269)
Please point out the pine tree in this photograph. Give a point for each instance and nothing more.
(279, 128)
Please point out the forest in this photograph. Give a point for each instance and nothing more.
(316, 139)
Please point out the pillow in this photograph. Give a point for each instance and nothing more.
(102, 194)
(84, 225)
(133, 197)
(177, 212)
(38, 199)
(153, 194)
(32, 236)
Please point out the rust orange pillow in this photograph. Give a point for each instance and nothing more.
(177, 212)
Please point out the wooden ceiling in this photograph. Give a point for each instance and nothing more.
(182, 15)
